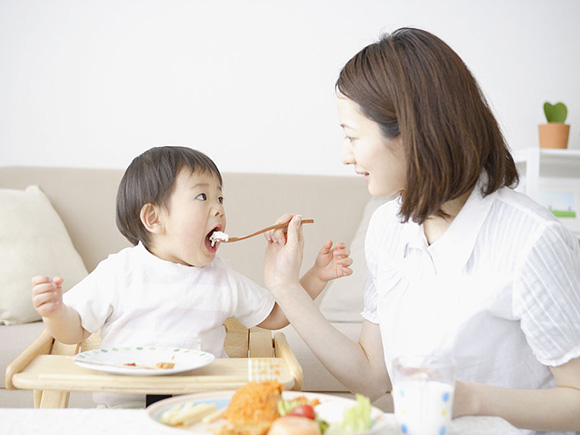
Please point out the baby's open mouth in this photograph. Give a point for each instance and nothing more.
(215, 236)
(209, 243)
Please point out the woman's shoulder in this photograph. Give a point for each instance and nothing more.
(528, 218)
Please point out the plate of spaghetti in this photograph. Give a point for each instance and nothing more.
(263, 408)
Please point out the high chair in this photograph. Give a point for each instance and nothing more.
(47, 368)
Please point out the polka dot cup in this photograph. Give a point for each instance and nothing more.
(423, 390)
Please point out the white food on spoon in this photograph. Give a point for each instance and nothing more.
(218, 236)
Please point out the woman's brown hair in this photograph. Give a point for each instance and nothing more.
(150, 178)
(413, 84)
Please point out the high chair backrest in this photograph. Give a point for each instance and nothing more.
(236, 345)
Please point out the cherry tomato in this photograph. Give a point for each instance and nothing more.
(303, 411)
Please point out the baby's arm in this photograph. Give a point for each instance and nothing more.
(331, 263)
(61, 321)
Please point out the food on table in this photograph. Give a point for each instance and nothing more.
(258, 408)
(159, 365)
(358, 417)
(294, 425)
(305, 410)
(255, 402)
(187, 414)
(164, 365)
(214, 416)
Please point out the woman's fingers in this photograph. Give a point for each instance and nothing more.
(279, 235)
(295, 230)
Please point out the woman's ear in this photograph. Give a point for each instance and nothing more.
(151, 218)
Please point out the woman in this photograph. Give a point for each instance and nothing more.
(459, 263)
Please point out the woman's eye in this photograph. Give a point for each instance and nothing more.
(221, 199)
(201, 196)
(349, 138)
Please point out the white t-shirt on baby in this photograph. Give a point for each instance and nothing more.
(138, 299)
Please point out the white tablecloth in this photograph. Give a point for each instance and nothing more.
(20, 421)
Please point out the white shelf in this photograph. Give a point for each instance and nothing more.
(539, 167)
(550, 170)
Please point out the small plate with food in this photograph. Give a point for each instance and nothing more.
(143, 360)
(263, 408)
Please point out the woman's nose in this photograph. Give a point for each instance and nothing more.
(346, 157)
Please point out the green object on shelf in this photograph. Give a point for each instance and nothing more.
(564, 213)
(555, 112)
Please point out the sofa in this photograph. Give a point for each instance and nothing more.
(63, 222)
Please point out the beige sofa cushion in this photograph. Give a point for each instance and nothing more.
(342, 300)
(33, 241)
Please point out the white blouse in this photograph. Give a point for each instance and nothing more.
(499, 291)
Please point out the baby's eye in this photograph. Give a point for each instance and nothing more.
(349, 138)
(201, 197)
(221, 199)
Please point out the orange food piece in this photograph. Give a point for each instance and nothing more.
(164, 365)
(255, 402)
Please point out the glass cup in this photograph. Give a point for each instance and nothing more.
(195, 343)
(423, 390)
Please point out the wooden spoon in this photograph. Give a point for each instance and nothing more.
(218, 236)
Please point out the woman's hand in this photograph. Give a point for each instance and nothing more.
(332, 263)
(284, 254)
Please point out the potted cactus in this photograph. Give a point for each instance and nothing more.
(555, 133)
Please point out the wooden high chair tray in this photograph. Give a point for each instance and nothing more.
(60, 373)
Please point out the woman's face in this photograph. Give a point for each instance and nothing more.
(381, 161)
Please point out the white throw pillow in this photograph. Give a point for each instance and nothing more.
(342, 300)
(33, 241)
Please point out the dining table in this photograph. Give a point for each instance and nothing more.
(76, 421)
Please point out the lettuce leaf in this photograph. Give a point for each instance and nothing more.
(358, 417)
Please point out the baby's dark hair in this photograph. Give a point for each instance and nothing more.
(150, 178)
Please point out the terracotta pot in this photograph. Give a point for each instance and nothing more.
(554, 135)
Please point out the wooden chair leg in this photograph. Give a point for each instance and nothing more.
(37, 396)
(54, 399)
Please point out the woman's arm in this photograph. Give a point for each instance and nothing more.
(360, 366)
(550, 409)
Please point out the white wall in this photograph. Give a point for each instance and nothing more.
(251, 83)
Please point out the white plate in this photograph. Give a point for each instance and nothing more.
(331, 408)
(184, 360)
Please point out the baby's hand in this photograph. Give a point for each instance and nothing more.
(47, 295)
(332, 263)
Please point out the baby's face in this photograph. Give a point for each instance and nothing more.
(195, 210)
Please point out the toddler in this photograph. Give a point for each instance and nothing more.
(170, 288)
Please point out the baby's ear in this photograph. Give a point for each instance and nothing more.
(151, 218)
